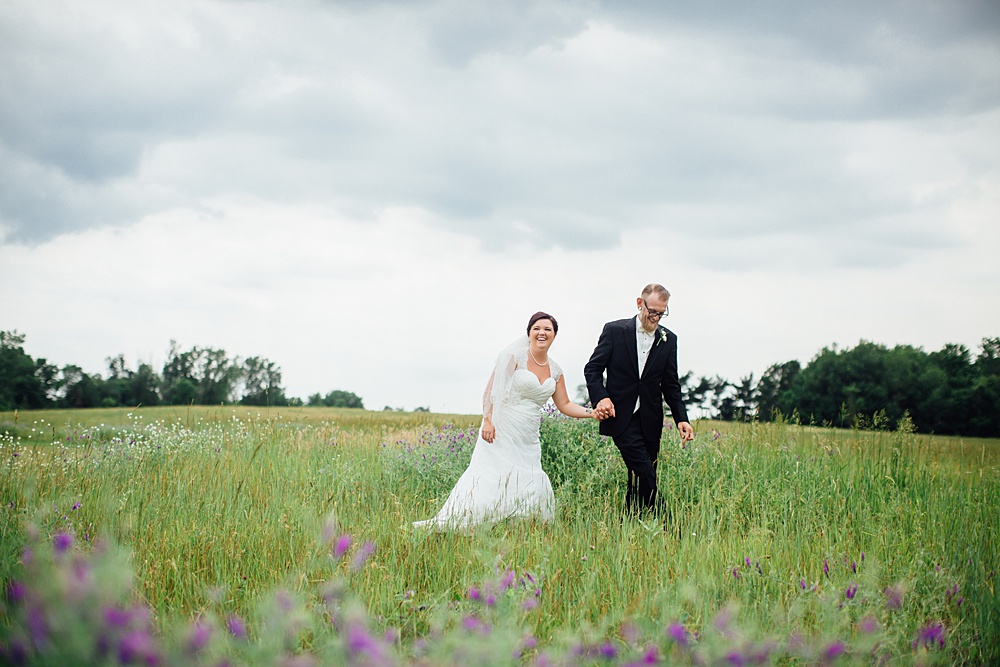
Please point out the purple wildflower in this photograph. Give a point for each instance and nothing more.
(746, 559)
(359, 641)
(894, 597)
(38, 627)
(237, 628)
(722, 620)
(507, 581)
(869, 624)
(607, 651)
(62, 542)
(854, 567)
(527, 644)
(198, 637)
(929, 636)
(16, 592)
(826, 568)
(361, 557)
(678, 634)
(342, 545)
(736, 659)
(802, 584)
(651, 656)
(117, 618)
(529, 604)
(833, 651)
(736, 574)
(851, 591)
(491, 600)
(474, 594)
(77, 505)
(137, 646)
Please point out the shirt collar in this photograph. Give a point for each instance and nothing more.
(639, 330)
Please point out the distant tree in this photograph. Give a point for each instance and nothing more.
(343, 399)
(338, 399)
(746, 398)
(24, 382)
(210, 370)
(218, 375)
(419, 409)
(984, 398)
(80, 390)
(721, 398)
(261, 383)
(142, 387)
(123, 386)
(182, 392)
(773, 390)
(179, 365)
(696, 396)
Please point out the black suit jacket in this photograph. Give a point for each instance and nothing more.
(617, 355)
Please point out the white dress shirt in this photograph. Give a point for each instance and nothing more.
(643, 344)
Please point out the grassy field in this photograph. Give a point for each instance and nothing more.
(792, 543)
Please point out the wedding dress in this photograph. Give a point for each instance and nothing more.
(505, 477)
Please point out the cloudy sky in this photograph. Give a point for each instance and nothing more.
(376, 195)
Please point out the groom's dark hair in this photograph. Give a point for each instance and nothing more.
(543, 316)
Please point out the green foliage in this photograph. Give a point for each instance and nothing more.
(24, 382)
(200, 375)
(808, 541)
(337, 399)
(262, 383)
(182, 392)
(942, 392)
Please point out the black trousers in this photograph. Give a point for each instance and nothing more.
(639, 454)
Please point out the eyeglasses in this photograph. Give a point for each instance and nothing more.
(656, 314)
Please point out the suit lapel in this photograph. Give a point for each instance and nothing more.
(631, 347)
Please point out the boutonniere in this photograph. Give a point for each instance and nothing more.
(663, 335)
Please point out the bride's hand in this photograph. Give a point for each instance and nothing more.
(489, 433)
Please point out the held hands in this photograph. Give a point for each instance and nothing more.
(489, 433)
(604, 409)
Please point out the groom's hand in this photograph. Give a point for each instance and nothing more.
(687, 433)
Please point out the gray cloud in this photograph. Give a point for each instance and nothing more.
(546, 124)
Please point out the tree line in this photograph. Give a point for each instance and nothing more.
(199, 375)
(949, 391)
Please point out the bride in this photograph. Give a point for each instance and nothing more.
(505, 476)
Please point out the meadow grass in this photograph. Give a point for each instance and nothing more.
(776, 534)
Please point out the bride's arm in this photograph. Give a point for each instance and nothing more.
(568, 407)
(488, 432)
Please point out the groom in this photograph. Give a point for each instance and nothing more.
(640, 358)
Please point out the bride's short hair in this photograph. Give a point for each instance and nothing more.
(543, 316)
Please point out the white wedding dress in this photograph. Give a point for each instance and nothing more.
(505, 477)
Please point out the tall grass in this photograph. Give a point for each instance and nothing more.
(774, 531)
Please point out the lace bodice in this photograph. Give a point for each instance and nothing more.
(525, 386)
